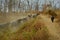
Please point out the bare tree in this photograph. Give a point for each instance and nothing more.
(0, 5)
(19, 5)
(28, 4)
(5, 6)
(10, 5)
(59, 4)
(37, 5)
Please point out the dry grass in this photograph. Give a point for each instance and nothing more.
(33, 29)
(7, 17)
(30, 30)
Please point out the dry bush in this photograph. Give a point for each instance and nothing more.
(51, 13)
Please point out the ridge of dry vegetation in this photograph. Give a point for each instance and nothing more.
(30, 30)
(38, 28)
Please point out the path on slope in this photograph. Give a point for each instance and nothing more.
(53, 28)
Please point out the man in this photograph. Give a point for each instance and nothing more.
(52, 18)
(53, 15)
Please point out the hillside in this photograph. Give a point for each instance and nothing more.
(36, 28)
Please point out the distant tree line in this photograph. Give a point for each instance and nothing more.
(24, 5)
